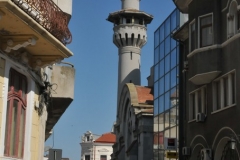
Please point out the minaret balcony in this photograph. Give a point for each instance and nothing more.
(130, 35)
(37, 28)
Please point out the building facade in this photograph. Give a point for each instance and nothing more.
(210, 79)
(166, 71)
(31, 42)
(97, 147)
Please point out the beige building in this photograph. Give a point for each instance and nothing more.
(96, 147)
(33, 90)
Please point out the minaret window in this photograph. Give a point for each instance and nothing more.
(128, 20)
(126, 36)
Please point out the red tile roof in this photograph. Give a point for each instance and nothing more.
(107, 138)
(144, 94)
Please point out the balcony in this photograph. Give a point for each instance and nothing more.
(182, 5)
(38, 28)
(62, 94)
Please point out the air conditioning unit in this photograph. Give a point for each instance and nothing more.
(186, 151)
(200, 117)
(206, 154)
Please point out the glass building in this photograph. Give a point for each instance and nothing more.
(166, 70)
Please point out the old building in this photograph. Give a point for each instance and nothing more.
(134, 124)
(97, 147)
(33, 90)
(209, 82)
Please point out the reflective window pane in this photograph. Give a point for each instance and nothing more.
(173, 20)
(173, 77)
(156, 107)
(162, 51)
(167, 82)
(173, 58)
(167, 27)
(161, 68)
(161, 86)
(167, 100)
(173, 43)
(167, 63)
(156, 71)
(156, 55)
(156, 38)
(156, 89)
(167, 45)
(161, 104)
(162, 33)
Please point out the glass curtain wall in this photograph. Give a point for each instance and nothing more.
(166, 51)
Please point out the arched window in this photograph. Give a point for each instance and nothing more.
(232, 19)
(15, 116)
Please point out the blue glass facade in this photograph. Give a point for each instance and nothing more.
(166, 53)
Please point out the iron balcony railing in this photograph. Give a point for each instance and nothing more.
(48, 15)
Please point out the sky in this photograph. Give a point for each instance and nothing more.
(96, 63)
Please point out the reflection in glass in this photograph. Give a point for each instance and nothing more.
(173, 77)
(173, 116)
(167, 63)
(167, 27)
(173, 20)
(156, 55)
(167, 45)
(173, 43)
(167, 82)
(173, 58)
(161, 122)
(167, 121)
(156, 88)
(156, 38)
(167, 100)
(162, 50)
(161, 104)
(161, 68)
(161, 86)
(156, 72)
(162, 33)
(156, 107)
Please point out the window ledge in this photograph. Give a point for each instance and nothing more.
(203, 49)
(193, 120)
(222, 109)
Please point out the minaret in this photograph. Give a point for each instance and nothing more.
(130, 35)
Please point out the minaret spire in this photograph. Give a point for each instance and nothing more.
(130, 35)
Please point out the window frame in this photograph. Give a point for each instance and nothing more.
(225, 95)
(233, 18)
(190, 35)
(103, 156)
(205, 26)
(195, 106)
(16, 93)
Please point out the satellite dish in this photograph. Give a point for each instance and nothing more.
(46, 148)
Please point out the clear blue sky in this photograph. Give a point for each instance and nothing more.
(96, 60)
